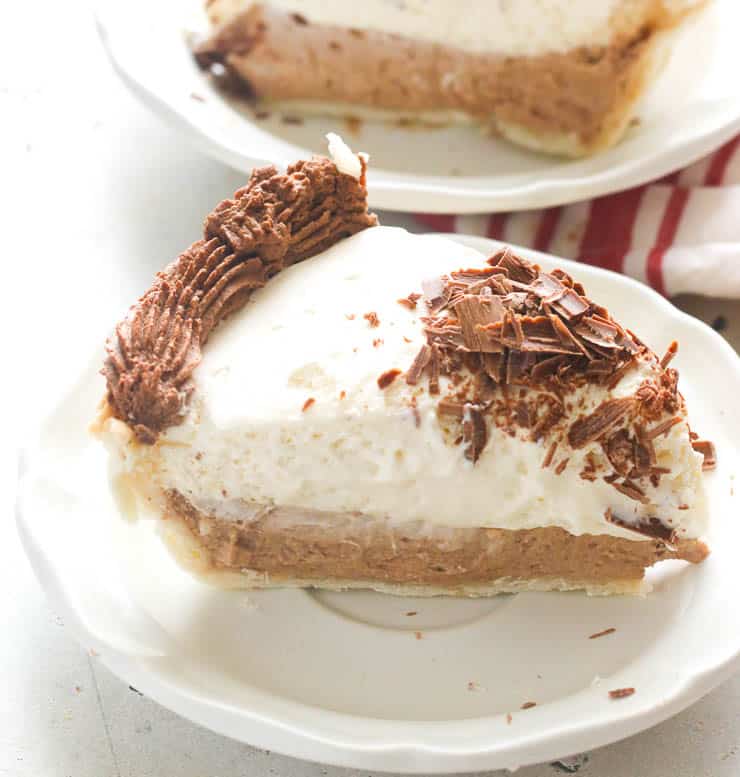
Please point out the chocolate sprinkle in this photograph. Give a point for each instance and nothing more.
(410, 301)
(387, 378)
(603, 633)
(417, 366)
(650, 527)
(621, 693)
(475, 432)
(594, 426)
(632, 491)
(549, 455)
(707, 449)
(669, 354)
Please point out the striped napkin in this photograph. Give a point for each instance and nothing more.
(680, 234)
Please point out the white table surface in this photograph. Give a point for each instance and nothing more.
(95, 195)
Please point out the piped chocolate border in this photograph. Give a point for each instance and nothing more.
(276, 220)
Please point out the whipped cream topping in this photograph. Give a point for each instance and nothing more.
(519, 27)
(287, 409)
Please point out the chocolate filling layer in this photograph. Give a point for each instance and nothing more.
(290, 543)
(281, 57)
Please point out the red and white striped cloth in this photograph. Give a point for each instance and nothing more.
(679, 234)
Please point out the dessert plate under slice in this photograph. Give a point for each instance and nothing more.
(691, 110)
(379, 682)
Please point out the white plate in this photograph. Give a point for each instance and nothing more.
(693, 108)
(342, 677)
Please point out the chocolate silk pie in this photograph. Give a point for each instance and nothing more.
(560, 76)
(305, 398)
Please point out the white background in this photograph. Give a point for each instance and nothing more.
(95, 196)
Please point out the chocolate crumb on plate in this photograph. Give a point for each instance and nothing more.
(411, 613)
(621, 693)
(603, 633)
(310, 401)
(528, 705)
(570, 765)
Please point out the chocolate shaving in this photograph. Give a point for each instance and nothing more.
(495, 366)
(450, 407)
(561, 467)
(606, 416)
(662, 428)
(707, 449)
(386, 378)
(517, 268)
(417, 366)
(619, 450)
(628, 488)
(549, 455)
(434, 294)
(571, 305)
(310, 401)
(597, 332)
(603, 633)
(621, 693)
(648, 527)
(547, 367)
(273, 222)
(433, 368)
(475, 432)
(669, 354)
(372, 319)
(474, 313)
(410, 301)
(522, 415)
(528, 705)
(619, 373)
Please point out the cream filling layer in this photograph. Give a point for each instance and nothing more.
(253, 434)
(508, 27)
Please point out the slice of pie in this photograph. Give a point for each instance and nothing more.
(305, 398)
(560, 76)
